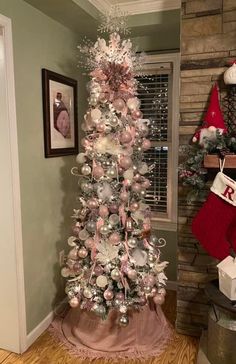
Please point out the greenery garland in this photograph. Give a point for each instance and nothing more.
(192, 172)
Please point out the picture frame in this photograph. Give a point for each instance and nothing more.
(60, 118)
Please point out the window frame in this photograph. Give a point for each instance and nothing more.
(169, 222)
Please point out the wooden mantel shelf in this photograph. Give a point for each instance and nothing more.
(212, 161)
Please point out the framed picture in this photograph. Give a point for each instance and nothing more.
(59, 114)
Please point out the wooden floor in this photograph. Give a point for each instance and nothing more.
(47, 350)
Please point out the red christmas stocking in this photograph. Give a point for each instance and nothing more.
(215, 224)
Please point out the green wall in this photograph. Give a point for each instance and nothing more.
(47, 189)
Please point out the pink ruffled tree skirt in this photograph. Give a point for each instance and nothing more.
(89, 337)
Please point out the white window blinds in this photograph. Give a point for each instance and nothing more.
(155, 95)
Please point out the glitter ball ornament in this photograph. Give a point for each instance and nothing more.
(65, 272)
(101, 281)
(83, 234)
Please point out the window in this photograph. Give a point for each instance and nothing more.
(159, 95)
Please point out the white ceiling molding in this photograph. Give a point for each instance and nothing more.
(135, 7)
(102, 5)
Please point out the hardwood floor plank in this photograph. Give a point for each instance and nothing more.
(3, 355)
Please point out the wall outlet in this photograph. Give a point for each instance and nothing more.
(61, 257)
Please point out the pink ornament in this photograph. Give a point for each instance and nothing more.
(146, 144)
(150, 280)
(136, 187)
(120, 296)
(126, 162)
(153, 291)
(77, 268)
(146, 183)
(82, 253)
(89, 243)
(136, 114)
(114, 208)
(134, 206)
(124, 196)
(98, 172)
(137, 177)
(114, 238)
(101, 127)
(74, 302)
(142, 301)
(98, 270)
(119, 104)
(103, 211)
(125, 137)
(76, 230)
(92, 204)
(108, 295)
(132, 274)
(73, 254)
(159, 299)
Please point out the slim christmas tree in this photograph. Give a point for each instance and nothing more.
(114, 261)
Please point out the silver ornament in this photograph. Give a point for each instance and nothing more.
(115, 274)
(123, 320)
(147, 289)
(111, 172)
(87, 293)
(132, 243)
(86, 170)
(91, 226)
(104, 230)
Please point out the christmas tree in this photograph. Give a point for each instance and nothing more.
(114, 261)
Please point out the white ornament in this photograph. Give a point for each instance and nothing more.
(129, 174)
(140, 257)
(107, 145)
(133, 103)
(81, 158)
(71, 241)
(104, 191)
(95, 114)
(230, 75)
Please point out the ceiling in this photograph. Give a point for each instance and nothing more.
(156, 18)
(133, 7)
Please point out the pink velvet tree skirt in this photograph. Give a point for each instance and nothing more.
(87, 336)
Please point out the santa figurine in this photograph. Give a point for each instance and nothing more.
(213, 120)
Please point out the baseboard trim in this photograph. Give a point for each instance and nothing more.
(172, 285)
(38, 330)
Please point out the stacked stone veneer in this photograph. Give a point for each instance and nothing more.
(208, 42)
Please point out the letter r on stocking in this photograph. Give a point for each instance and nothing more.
(229, 191)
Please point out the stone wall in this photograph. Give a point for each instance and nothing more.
(208, 42)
